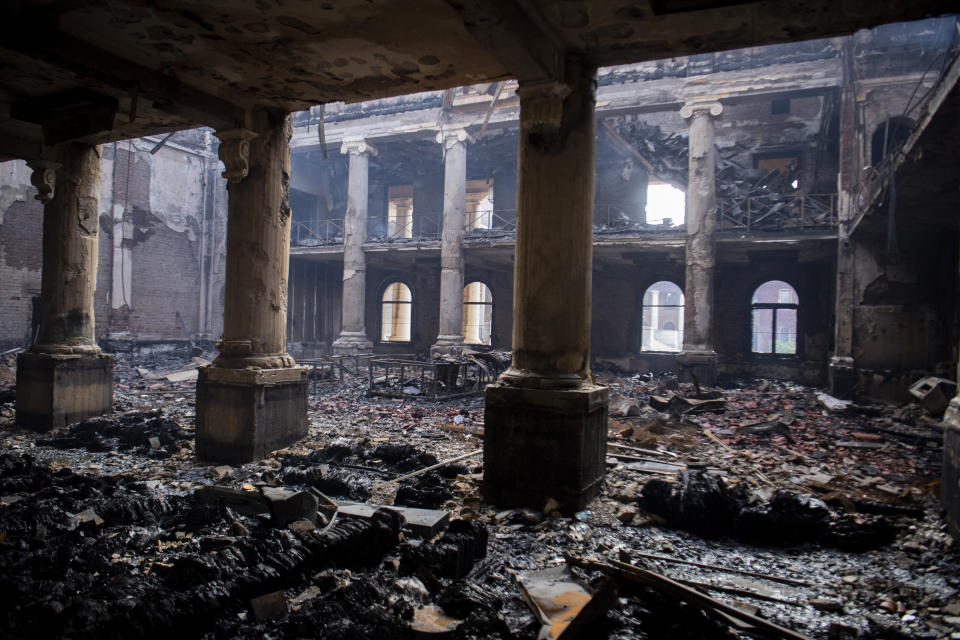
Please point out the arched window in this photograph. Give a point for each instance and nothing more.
(395, 313)
(887, 136)
(662, 317)
(477, 313)
(774, 307)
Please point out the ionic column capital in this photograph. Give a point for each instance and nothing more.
(695, 108)
(357, 146)
(542, 103)
(450, 137)
(234, 152)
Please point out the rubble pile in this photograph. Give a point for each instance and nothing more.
(743, 503)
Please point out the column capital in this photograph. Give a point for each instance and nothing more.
(542, 103)
(357, 146)
(234, 152)
(690, 109)
(450, 137)
(44, 178)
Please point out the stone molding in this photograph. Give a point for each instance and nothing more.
(234, 152)
(44, 178)
(542, 103)
(694, 108)
(357, 147)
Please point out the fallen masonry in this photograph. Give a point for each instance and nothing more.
(732, 511)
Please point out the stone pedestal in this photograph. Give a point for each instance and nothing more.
(842, 378)
(244, 414)
(55, 389)
(540, 444)
(698, 366)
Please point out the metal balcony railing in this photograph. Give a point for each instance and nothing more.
(771, 212)
(317, 233)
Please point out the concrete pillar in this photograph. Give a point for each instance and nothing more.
(842, 376)
(698, 358)
(353, 333)
(950, 479)
(253, 399)
(450, 337)
(546, 420)
(64, 377)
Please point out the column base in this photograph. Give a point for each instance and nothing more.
(842, 377)
(540, 444)
(950, 479)
(698, 365)
(351, 343)
(446, 345)
(244, 414)
(55, 389)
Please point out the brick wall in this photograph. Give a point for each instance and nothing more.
(21, 224)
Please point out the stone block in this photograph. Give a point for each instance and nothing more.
(540, 444)
(287, 506)
(698, 366)
(54, 390)
(842, 378)
(244, 414)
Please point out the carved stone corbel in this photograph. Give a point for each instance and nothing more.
(234, 152)
(542, 104)
(44, 178)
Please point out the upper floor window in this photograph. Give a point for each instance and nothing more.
(887, 136)
(662, 317)
(477, 313)
(395, 313)
(774, 310)
(479, 205)
(665, 203)
(400, 211)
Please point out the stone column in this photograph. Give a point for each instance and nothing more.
(64, 377)
(950, 478)
(254, 398)
(353, 333)
(450, 337)
(546, 420)
(698, 358)
(842, 370)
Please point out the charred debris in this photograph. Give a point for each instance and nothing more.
(760, 508)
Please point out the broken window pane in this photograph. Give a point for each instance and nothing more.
(477, 313)
(395, 313)
(662, 317)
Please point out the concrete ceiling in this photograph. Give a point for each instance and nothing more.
(103, 70)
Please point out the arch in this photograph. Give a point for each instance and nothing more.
(477, 313)
(662, 328)
(773, 311)
(889, 135)
(396, 313)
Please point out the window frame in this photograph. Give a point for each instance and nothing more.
(774, 307)
(382, 290)
(680, 316)
(484, 304)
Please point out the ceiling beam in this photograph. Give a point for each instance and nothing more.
(526, 46)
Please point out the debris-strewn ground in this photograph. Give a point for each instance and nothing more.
(822, 521)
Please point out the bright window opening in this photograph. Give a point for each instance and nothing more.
(477, 313)
(400, 211)
(479, 204)
(662, 318)
(774, 310)
(395, 313)
(665, 204)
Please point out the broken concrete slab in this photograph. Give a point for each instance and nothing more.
(425, 523)
(287, 506)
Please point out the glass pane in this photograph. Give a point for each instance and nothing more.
(786, 331)
(763, 330)
(775, 292)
